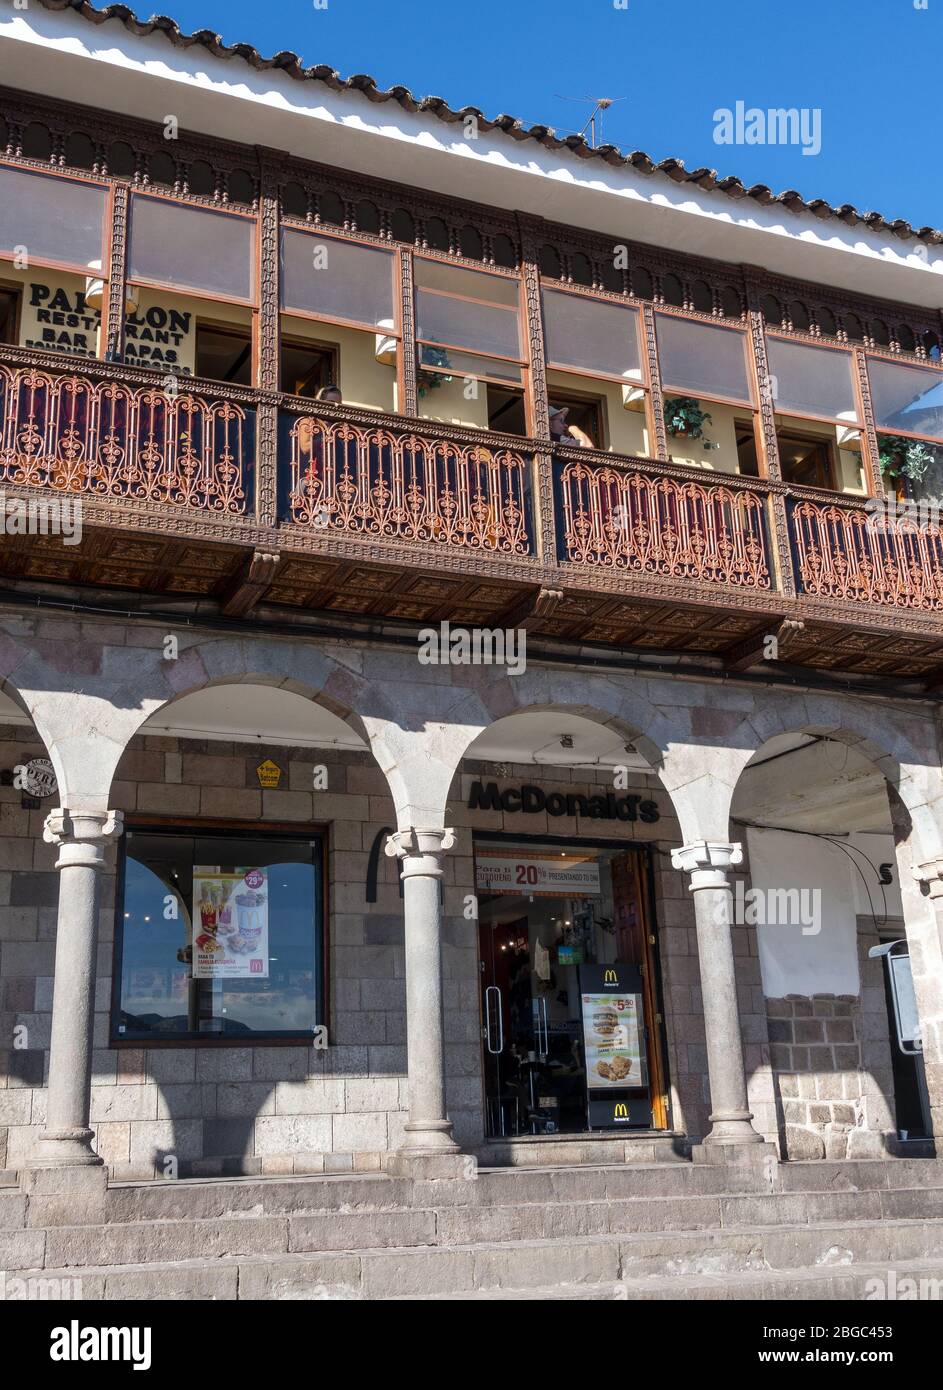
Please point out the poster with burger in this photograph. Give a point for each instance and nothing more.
(613, 1041)
(230, 924)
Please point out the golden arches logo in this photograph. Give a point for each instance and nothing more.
(610, 978)
(621, 1112)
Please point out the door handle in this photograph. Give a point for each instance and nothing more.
(493, 989)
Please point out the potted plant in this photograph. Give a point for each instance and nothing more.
(685, 419)
(431, 381)
(902, 458)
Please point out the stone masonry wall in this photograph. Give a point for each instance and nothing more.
(293, 1108)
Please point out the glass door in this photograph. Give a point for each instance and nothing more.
(558, 931)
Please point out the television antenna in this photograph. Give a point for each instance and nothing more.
(599, 104)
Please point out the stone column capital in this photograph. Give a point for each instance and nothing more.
(420, 850)
(930, 872)
(707, 861)
(81, 835)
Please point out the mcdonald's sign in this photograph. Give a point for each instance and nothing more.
(610, 977)
(621, 1112)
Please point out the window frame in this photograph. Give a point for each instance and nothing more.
(107, 219)
(749, 361)
(522, 332)
(292, 340)
(188, 290)
(318, 835)
(849, 352)
(895, 361)
(355, 324)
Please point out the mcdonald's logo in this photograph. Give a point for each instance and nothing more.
(621, 1112)
(610, 978)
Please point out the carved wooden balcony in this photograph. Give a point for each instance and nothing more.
(863, 555)
(382, 482)
(103, 437)
(643, 523)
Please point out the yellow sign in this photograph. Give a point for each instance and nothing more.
(269, 774)
(621, 1112)
(610, 978)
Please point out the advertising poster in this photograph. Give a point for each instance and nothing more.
(230, 924)
(550, 876)
(613, 1040)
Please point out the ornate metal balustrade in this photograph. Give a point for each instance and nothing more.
(866, 556)
(113, 439)
(380, 482)
(647, 524)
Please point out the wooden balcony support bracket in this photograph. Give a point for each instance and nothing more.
(251, 584)
(531, 611)
(768, 643)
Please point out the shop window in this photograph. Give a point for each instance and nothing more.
(218, 935)
(9, 315)
(59, 219)
(306, 367)
(224, 353)
(333, 279)
(191, 248)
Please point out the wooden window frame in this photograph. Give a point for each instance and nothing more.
(70, 268)
(896, 361)
(333, 349)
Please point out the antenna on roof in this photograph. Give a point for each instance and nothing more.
(600, 104)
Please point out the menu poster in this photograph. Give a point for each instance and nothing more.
(230, 924)
(612, 1037)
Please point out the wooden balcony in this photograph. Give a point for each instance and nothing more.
(241, 497)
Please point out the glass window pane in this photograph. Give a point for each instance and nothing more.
(240, 951)
(457, 363)
(55, 219)
(338, 279)
(193, 248)
(592, 336)
(702, 359)
(907, 398)
(811, 381)
(472, 310)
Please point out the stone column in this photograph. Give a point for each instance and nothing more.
(81, 837)
(732, 1135)
(429, 1150)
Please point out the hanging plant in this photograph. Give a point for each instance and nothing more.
(901, 457)
(431, 381)
(684, 419)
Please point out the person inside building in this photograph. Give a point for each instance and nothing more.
(562, 433)
(330, 394)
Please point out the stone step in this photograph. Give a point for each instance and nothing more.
(221, 1197)
(598, 1268)
(256, 1233)
(860, 1283)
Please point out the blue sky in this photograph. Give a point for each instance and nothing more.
(872, 67)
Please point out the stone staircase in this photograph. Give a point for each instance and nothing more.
(622, 1231)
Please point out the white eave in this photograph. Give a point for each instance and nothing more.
(148, 77)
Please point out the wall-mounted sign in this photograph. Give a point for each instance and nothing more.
(39, 778)
(56, 318)
(269, 774)
(533, 800)
(537, 876)
(230, 924)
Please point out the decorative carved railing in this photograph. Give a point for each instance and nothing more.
(379, 482)
(867, 557)
(621, 520)
(113, 439)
